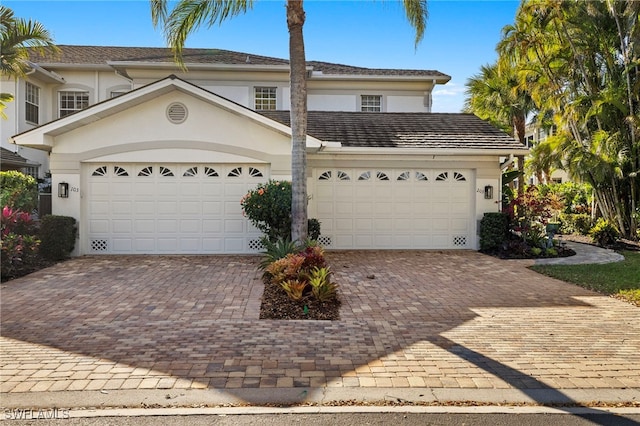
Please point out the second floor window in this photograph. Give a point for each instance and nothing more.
(265, 98)
(32, 103)
(71, 102)
(371, 103)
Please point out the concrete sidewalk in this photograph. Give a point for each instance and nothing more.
(430, 327)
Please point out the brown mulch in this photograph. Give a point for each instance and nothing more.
(277, 305)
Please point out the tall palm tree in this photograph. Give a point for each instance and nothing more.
(188, 15)
(16, 36)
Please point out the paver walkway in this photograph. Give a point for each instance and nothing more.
(452, 319)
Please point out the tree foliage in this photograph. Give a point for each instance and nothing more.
(579, 61)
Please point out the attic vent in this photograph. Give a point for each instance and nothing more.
(177, 113)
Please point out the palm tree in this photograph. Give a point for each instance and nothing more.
(16, 36)
(189, 15)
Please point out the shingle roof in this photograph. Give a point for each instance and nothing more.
(100, 55)
(11, 158)
(402, 130)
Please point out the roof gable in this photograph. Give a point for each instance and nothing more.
(41, 136)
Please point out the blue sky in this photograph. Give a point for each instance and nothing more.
(461, 35)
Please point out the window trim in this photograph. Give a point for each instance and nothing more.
(263, 100)
(28, 101)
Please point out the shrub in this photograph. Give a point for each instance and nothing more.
(604, 233)
(268, 208)
(493, 230)
(18, 191)
(529, 215)
(58, 235)
(575, 223)
(19, 245)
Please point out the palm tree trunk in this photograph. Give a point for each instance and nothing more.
(297, 62)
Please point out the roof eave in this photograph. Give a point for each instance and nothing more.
(436, 79)
(332, 149)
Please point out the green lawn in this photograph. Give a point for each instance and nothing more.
(621, 279)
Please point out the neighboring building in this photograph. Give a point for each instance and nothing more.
(156, 160)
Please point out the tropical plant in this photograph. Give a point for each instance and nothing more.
(294, 288)
(18, 191)
(321, 286)
(276, 251)
(604, 233)
(580, 63)
(188, 15)
(16, 36)
(18, 243)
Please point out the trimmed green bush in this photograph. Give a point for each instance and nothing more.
(268, 207)
(58, 237)
(18, 191)
(493, 230)
(604, 233)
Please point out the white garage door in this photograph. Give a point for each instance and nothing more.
(394, 208)
(170, 208)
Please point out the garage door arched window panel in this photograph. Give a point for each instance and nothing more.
(253, 172)
(120, 171)
(147, 171)
(191, 172)
(209, 172)
(325, 175)
(459, 177)
(100, 171)
(236, 172)
(442, 177)
(382, 176)
(421, 177)
(404, 176)
(343, 175)
(365, 175)
(165, 171)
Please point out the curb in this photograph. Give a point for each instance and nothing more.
(320, 400)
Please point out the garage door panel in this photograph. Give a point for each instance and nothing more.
(233, 226)
(167, 188)
(167, 226)
(190, 189)
(440, 224)
(190, 226)
(144, 189)
(122, 208)
(144, 207)
(99, 207)
(167, 207)
(363, 224)
(190, 208)
(145, 226)
(212, 226)
(344, 208)
(167, 245)
(121, 226)
(383, 225)
(364, 241)
(343, 225)
(212, 245)
(144, 245)
(121, 245)
(97, 226)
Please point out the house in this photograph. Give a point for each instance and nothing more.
(153, 160)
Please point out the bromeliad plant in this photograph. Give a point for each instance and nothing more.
(299, 273)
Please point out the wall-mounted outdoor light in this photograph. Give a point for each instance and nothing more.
(488, 192)
(63, 190)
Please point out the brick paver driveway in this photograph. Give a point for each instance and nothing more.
(409, 319)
